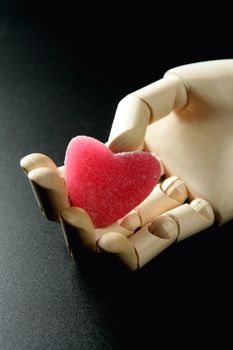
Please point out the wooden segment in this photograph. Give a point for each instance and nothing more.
(129, 125)
(142, 107)
(117, 244)
(163, 96)
(175, 189)
(162, 170)
(61, 170)
(153, 238)
(131, 221)
(192, 218)
(170, 194)
(50, 191)
(115, 227)
(37, 160)
(78, 230)
(174, 225)
(203, 208)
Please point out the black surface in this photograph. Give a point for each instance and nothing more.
(57, 81)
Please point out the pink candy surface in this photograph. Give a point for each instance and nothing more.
(106, 185)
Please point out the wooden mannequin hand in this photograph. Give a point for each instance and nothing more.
(186, 119)
(194, 138)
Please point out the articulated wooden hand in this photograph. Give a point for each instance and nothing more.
(186, 119)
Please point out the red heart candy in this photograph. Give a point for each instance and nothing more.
(107, 185)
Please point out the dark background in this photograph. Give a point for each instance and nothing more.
(63, 69)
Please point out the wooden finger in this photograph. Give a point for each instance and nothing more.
(37, 160)
(50, 191)
(129, 125)
(153, 238)
(117, 244)
(192, 218)
(170, 194)
(78, 230)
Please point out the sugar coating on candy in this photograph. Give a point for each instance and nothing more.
(107, 185)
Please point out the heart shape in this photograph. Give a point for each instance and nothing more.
(107, 185)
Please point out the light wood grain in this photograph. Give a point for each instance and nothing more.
(170, 194)
(196, 142)
(192, 218)
(37, 160)
(50, 191)
(129, 125)
(153, 238)
(78, 230)
(117, 244)
(174, 225)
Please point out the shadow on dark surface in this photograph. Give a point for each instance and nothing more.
(182, 286)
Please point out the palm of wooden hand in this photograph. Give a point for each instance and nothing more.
(196, 142)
